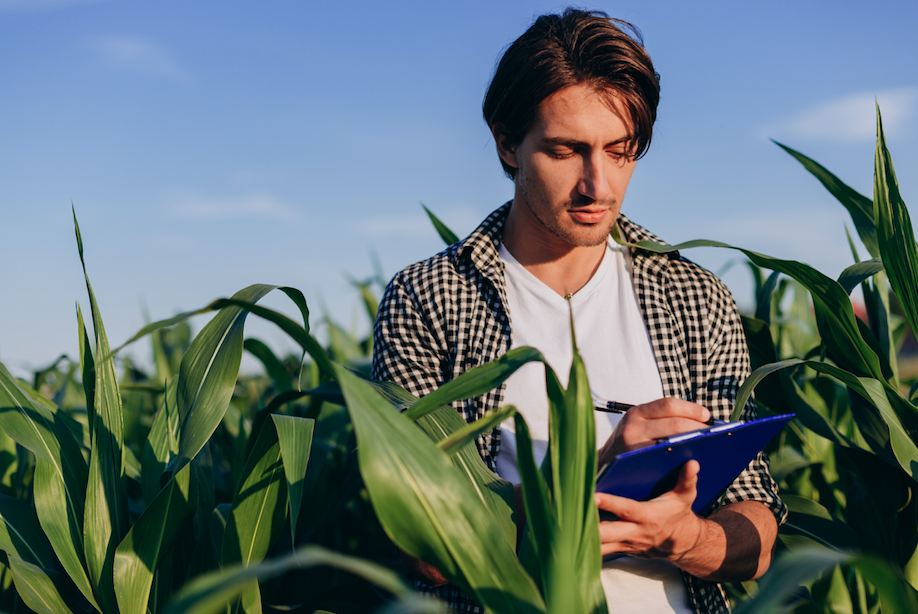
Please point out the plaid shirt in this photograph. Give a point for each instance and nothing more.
(443, 316)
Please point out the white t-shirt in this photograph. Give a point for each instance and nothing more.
(613, 341)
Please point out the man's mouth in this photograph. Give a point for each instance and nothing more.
(588, 216)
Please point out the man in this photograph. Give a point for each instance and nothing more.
(571, 108)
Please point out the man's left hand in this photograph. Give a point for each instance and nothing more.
(734, 544)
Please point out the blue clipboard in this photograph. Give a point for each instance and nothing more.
(723, 451)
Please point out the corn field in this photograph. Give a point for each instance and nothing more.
(190, 488)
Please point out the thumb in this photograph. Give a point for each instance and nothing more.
(688, 480)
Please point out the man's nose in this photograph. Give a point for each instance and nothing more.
(594, 181)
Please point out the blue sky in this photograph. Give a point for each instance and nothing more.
(210, 145)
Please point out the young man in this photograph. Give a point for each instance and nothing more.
(571, 107)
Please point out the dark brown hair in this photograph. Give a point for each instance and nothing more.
(575, 47)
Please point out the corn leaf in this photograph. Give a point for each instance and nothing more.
(859, 206)
(208, 374)
(60, 474)
(449, 237)
(294, 435)
(105, 522)
(45, 591)
(150, 539)
(835, 317)
(162, 443)
(273, 366)
(470, 432)
(894, 231)
(21, 535)
(540, 520)
(258, 512)
(209, 594)
(429, 509)
(573, 579)
(787, 574)
(858, 272)
(476, 381)
(809, 519)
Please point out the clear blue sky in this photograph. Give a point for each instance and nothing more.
(210, 145)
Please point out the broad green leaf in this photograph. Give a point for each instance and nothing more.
(787, 574)
(87, 368)
(540, 520)
(43, 590)
(476, 381)
(834, 314)
(106, 521)
(495, 493)
(859, 206)
(896, 595)
(273, 366)
(470, 432)
(894, 231)
(857, 273)
(258, 512)
(21, 534)
(809, 519)
(209, 594)
(295, 438)
(449, 237)
(150, 539)
(429, 509)
(876, 392)
(763, 297)
(208, 374)
(573, 579)
(162, 443)
(60, 474)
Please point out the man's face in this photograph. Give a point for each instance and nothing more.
(573, 167)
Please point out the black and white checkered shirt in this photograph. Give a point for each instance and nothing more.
(443, 316)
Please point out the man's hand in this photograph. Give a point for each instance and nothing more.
(734, 544)
(643, 424)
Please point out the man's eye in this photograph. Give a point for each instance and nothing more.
(560, 154)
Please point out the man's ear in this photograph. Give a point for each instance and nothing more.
(506, 151)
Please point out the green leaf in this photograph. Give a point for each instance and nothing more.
(859, 206)
(209, 594)
(540, 520)
(835, 317)
(856, 273)
(87, 368)
(162, 443)
(21, 534)
(295, 438)
(809, 519)
(470, 432)
(429, 509)
(448, 236)
(258, 512)
(43, 590)
(208, 374)
(273, 366)
(573, 578)
(150, 539)
(894, 231)
(476, 381)
(105, 522)
(60, 474)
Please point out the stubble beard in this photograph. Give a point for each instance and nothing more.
(591, 235)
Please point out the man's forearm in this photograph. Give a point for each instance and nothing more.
(735, 544)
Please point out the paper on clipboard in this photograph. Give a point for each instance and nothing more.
(722, 451)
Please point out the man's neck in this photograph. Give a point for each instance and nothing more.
(562, 267)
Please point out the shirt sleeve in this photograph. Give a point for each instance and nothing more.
(728, 367)
(406, 347)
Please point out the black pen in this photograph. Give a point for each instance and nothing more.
(615, 407)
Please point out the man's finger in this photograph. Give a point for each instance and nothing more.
(672, 408)
(688, 480)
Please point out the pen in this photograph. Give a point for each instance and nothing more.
(615, 407)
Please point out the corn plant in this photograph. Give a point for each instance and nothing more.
(103, 530)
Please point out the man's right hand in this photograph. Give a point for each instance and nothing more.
(643, 424)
